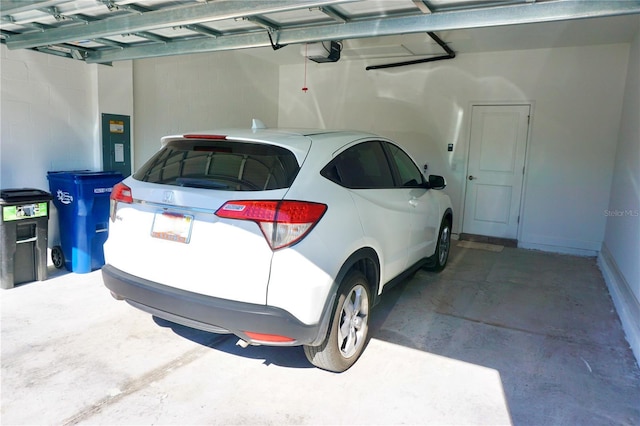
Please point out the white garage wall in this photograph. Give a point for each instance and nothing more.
(50, 114)
(48, 117)
(576, 94)
(51, 109)
(199, 92)
(115, 88)
(620, 255)
(115, 95)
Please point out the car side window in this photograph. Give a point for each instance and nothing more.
(363, 166)
(410, 175)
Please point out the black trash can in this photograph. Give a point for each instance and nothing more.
(23, 235)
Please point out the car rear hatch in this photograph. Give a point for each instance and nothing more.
(164, 226)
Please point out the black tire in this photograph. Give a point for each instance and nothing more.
(347, 334)
(443, 248)
(57, 257)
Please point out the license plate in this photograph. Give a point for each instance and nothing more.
(172, 227)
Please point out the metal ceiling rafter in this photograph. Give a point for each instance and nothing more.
(64, 50)
(420, 4)
(438, 21)
(162, 18)
(487, 4)
(153, 37)
(112, 43)
(333, 14)
(11, 7)
(203, 30)
(56, 52)
(134, 8)
(59, 16)
(131, 7)
(36, 26)
(262, 22)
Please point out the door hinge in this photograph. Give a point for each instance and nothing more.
(518, 219)
(528, 119)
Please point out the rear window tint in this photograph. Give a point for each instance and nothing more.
(222, 165)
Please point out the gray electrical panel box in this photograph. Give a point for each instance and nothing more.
(116, 143)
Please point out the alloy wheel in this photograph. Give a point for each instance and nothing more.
(353, 321)
(445, 241)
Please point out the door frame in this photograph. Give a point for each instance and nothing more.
(463, 193)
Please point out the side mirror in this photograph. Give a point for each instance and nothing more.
(437, 182)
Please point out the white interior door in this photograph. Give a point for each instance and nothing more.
(496, 169)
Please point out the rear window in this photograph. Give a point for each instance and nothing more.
(222, 165)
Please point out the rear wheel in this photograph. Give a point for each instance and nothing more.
(57, 257)
(348, 329)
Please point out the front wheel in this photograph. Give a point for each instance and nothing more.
(347, 334)
(441, 255)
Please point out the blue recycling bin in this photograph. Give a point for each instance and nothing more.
(82, 201)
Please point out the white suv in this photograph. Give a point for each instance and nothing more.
(279, 237)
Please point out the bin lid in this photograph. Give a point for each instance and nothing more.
(21, 195)
(83, 175)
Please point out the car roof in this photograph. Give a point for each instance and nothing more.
(297, 140)
(270, 135)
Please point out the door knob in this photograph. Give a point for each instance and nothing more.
(471, 177)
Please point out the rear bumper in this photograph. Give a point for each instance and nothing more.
(210, 313)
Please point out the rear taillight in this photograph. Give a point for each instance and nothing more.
(120, 193)
(283, 223)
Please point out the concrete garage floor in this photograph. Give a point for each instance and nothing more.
(516, 336)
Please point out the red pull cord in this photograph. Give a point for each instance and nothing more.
(305, 88)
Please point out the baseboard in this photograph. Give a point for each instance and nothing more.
(627, 305)
(557, 249)
(560, 245)
(507, 242)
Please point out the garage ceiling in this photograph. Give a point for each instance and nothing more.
(104, 31)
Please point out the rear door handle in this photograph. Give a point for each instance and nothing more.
(413, 201)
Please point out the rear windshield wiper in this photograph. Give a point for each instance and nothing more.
(201, 183)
